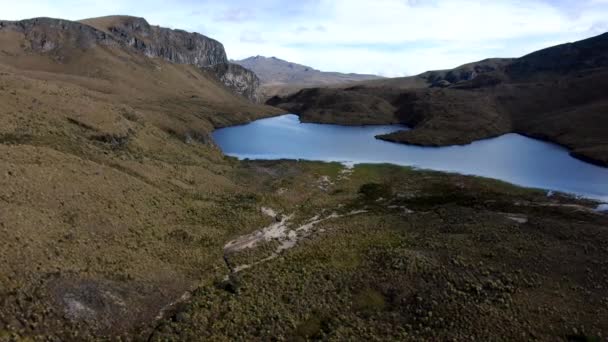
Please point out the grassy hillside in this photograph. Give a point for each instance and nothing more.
(106, 171)
(119, 221)
(388, 253)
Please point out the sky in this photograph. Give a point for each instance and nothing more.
(384, 37)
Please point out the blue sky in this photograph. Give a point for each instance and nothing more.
(387, 37)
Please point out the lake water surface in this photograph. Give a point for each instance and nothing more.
(511, 157)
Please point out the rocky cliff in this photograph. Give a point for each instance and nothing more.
(176, 46)
(241, 80)
(47, 35)
(181, 47)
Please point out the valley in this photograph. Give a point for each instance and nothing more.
(122, 218)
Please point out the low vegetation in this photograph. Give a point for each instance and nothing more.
(116, 209)
(414, 265)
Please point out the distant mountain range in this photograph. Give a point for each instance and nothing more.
(280, 77)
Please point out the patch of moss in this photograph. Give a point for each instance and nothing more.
(15, 138)
(369, 301)
(375, 191)
(309, 328)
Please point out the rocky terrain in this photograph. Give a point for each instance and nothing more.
(240, 80)
(280, 77)
(555, 94)
(180, 47)
(121, 220)
(172, 45)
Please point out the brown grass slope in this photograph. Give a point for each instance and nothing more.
(106, 172)
(556, 94)
(114, 204)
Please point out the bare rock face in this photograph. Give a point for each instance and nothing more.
(241, 80)
(180, 47)
(176, 46)
(47, 35)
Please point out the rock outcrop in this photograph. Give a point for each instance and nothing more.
(465, 73)
(180, 47)
(47, 35)
(241, 80)
(176, 46)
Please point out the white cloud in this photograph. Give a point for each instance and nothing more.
(391, 37)
(395, 37)
(236, 15)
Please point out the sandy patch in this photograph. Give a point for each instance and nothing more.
(345, 173)
(521, 219)
(324, 183)
(276, 231)
(282, 232)
(269, 212)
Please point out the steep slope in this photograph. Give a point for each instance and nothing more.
(562, 59)
(176, 46)
(180, 47)
(555, 94)
(280, 77)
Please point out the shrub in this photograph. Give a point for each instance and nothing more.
(375, 191)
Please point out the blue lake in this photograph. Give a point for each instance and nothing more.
(511, 157)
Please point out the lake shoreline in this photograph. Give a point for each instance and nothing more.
(415, 142)
(363, 146)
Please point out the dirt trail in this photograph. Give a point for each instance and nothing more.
(280, 231)
(277, 230)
